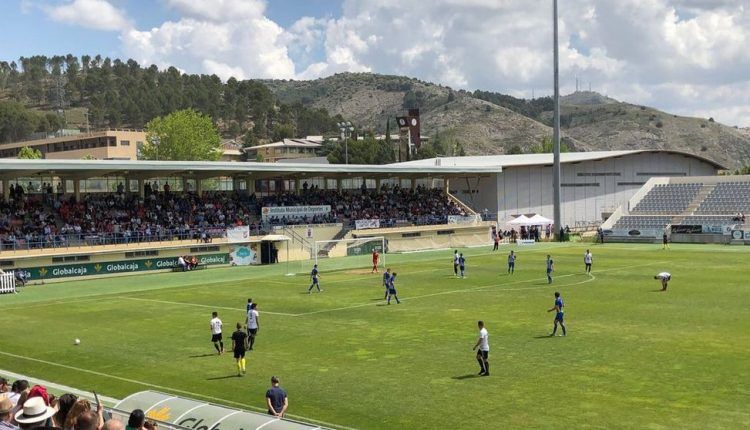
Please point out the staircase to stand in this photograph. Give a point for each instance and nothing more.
(462, 205)
(693, 206)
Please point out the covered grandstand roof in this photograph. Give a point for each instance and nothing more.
(13, 168)
(515, 160)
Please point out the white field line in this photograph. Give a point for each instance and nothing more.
(166, 302)
(483, 287)
(105, 295)
(167, 389)
(111, 401)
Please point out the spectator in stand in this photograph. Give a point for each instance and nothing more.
(6, 417)
(34, 414)
(4, 387)
(88, 420)
(18, 390)
(136, 420)
(113, 424)
(64, 405)
(79, 407)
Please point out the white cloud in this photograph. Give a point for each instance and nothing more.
(644, 51)
(678, 55)
(96, 14)
(231, 38)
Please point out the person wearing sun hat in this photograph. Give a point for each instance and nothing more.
(34, 413)
(6, 407)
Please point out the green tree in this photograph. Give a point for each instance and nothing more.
(88, 157)
(182, 135)
(29, 153)
(545, 146)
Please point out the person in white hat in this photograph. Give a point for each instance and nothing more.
(34, 414)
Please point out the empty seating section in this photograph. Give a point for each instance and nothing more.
(709, 220)
(727, 198)
(667, 199)
(643, 222)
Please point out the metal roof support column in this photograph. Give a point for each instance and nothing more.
(377, 184)
(141, 188)
(250, 186)
(556, 139)
(77, 189)
(6, 189)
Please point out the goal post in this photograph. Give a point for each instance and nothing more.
(362, 246)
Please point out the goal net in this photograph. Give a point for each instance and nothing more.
(359, 249)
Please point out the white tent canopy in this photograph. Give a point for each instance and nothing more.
(539, 220)
(534, 220)
(521, 220)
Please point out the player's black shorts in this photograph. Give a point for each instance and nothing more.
(252, 331)
(484, 354)
(216, 337)
(239, 353)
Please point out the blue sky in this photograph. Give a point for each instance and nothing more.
(687, 57)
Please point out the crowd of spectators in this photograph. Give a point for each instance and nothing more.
(389, 204)
(47, 219)
(25, 407)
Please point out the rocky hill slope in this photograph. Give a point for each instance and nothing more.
(589, 120)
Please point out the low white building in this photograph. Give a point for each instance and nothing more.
(594, 184)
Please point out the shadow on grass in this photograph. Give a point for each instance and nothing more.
(204, 355)
(545, 336)
(462, 377)
(216, 378)
(658, 291)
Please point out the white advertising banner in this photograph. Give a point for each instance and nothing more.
(361, 224)
(243, 255)
(458, 219)
(525, 242)
(238, 234)
(293, 211)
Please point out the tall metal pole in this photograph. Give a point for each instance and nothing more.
(346, 148)
(556, 138)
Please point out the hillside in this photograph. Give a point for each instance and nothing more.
(618, 125)
(495, 123)
(369, 99)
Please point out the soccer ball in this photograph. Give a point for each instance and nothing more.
(77, 342)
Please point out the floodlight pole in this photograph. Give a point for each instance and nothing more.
(556, 137)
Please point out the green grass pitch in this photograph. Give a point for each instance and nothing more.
(633, 357)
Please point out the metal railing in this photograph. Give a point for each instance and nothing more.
(57, 241)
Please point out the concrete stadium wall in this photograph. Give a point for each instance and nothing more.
(589, 187)
(418, 238)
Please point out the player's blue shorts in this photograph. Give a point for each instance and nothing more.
(392, 291)
(511, 264)
(315, 280)
(549, 271)
(559, 316)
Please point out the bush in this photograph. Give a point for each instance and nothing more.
(659, 124)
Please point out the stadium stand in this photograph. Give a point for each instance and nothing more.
(716, 204)
(643, 221)
(48, 220)
(728, 198)
(668, 198)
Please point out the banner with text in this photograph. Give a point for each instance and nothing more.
(111, 267)
(239, 234)
(293, 211)
(468, 219)
(362, 224)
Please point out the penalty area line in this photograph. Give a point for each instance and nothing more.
(164, 388)
(167, 302)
